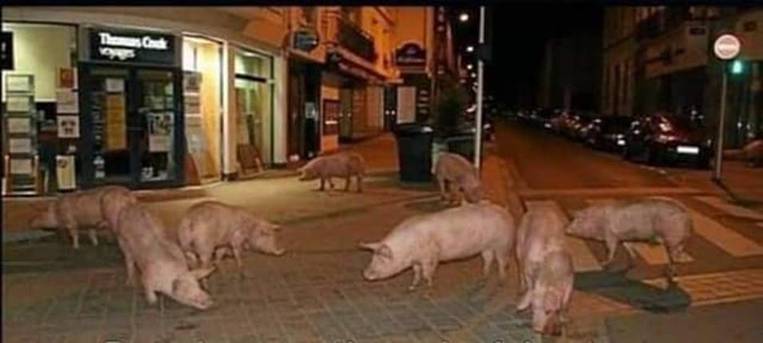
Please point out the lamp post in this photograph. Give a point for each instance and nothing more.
(480, 87)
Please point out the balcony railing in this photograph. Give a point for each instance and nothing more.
(354, 39)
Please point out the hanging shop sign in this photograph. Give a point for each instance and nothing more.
(411, 55)
(305, 41)
(132, 46)
(6, 56)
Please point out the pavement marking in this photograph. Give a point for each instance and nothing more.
(609, 191)
(734, 210)
(582, 257)
(653, 254)
(727, 239)
(714, 288)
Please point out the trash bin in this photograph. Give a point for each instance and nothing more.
(414, 151)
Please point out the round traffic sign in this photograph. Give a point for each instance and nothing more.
(727, 47)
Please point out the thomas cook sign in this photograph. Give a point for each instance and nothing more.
(132, 47)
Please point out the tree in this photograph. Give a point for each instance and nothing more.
(450, 104)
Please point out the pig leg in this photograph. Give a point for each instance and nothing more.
(565, 303)
(427, 269)
(611, 243)
(74, 234)
(416, 277)
(487, 262)
(347, 183)
(673, 254)
(443, 189)
(501, 258)
(359, 180)
(323, 183)
(631, 255)
(526, 300)
(331, 183)
(93, 237)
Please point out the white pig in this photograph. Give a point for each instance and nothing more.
(211, 225)
(79, 210)
(160, 261)
(648, 219)
(344, 165)
(454, 173)
(546, 269)
(423, 241)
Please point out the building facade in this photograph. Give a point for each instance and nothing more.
(148, 98)
(660, 58)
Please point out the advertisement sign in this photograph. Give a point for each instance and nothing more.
(132, 46)
(159, 132)
(6, 55)
(68, 126)
(116, 127)
(331, 110)
(20, 145)
(66, 101)
(67, 78)
(411, 54)
(19, 125)
(65, 173)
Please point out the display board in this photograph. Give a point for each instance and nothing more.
(20, 136)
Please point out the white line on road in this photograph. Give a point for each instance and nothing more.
(611, 191)
(582, 258)
(731, 209)
(729, 240)
(653, 254)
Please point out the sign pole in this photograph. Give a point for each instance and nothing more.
(480, 68)
(721, 127)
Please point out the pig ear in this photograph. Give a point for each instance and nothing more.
(202, 272)
(370, 246)
(384, 251)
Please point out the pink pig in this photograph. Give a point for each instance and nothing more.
(547, 272)
(160, 261)
(423, 241)
(454, 173)
(343, 164)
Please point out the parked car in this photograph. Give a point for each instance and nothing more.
(487, 124)
(575, 123)
(608, 132)
(545, 116)
(664, 138)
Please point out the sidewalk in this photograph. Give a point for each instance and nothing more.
(741, 184)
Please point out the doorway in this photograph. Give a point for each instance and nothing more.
(134, 115)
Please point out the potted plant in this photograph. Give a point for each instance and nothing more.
(448, 121)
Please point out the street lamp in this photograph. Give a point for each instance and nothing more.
(463, 17)
(470, 48)
(469, 66)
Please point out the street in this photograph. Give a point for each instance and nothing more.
(315, 292)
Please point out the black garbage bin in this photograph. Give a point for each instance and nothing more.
(414, 151)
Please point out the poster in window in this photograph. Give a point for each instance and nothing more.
(68, 126)
(19, 84)
(65, 173)
(21, 166)
(331, 110)
(116, 128)
(18, 103)
(115, 85)
(159, 132)
(20, 145)
(66, 101)
(191, 82)
(19, 125)
(67, 78)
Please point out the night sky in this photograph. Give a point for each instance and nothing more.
(519, 36)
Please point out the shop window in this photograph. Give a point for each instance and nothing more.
(202, 88)
(254, 107)
(48, 54)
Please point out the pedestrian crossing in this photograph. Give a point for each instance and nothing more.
(726, 239)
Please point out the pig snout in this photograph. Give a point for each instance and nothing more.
(546, 323)
(370, 275)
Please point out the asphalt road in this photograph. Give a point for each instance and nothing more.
(547, 161)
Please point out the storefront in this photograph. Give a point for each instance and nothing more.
(135, 101)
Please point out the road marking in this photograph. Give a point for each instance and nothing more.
(611, 191)
(729, 240)
(582, 257)
(734, 210)
(653, 254)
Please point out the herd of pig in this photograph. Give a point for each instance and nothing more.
(211, 230)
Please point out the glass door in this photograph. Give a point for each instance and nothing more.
(108, 149)
(156, 112)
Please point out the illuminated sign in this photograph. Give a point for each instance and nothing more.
(134, 47)
(411, 54)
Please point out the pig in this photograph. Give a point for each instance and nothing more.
(344, 164)
(210, 227)
(160, 261)
(646, 219)
(84, 209)
(453, 171)
(546, 269)
(753, 153)
(422, 241)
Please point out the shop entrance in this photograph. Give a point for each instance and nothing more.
(135, 119)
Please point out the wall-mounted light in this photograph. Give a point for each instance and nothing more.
(463, 17)
(470, 48)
